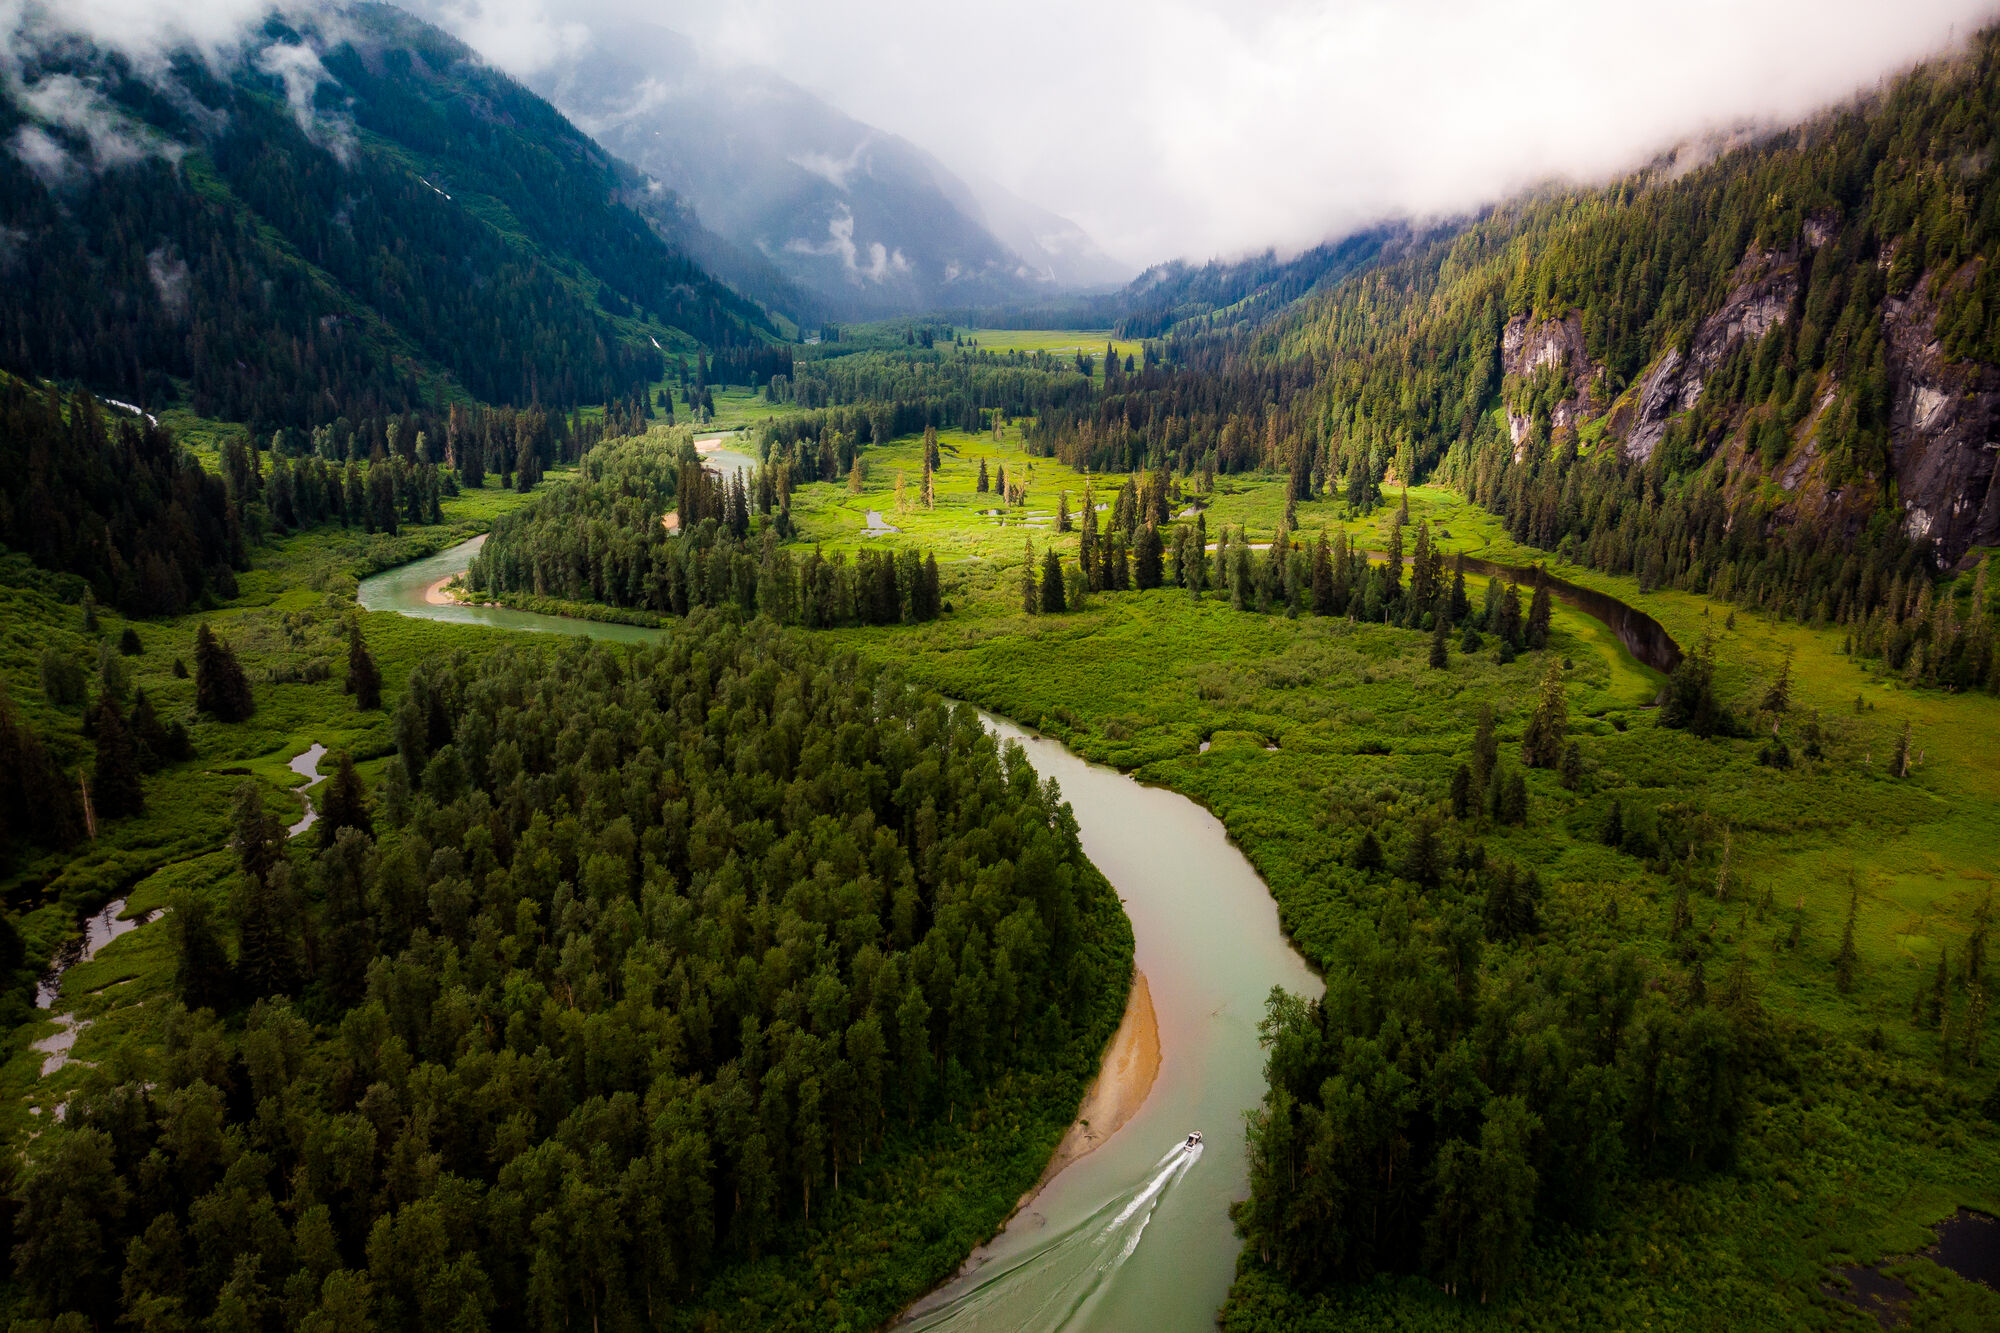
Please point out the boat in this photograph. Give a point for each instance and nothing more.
(1193, 1140)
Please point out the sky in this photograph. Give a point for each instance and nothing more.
(1201, 128)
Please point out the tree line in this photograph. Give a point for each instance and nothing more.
(605, 539)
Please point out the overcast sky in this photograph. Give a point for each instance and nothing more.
(1217, 127)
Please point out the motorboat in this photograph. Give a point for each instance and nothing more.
(1193, 1140)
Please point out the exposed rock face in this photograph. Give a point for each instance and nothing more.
(1527, 347)
(1767, 284)
(1943, 422)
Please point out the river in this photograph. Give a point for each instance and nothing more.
(1137, 1233)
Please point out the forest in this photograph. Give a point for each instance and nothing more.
(603, 539)
(280, 270)
(630, 958)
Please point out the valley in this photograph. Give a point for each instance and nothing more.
(629, 702)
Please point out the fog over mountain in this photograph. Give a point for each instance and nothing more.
(866, 219)
(1203, 127)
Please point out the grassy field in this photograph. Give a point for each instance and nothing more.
(1056, 342)
(1860, 1137)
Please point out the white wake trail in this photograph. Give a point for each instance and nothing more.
(1052, 1286)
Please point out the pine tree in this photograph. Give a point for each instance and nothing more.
(1440, 650)
(343, 804)
(221, 690)
(1062, 512)
(1485, 747)
(258, 837)
(1778, 697)
(1461, 792)
(1844, 962)
(1149, 558)
(1537, 633)
(985, 485)
(201, 965)
(1541, 743)
(1368, 852)
(364, 681)
(1052, 583)
(1031, 600)
(116, 789)
(1899, 764)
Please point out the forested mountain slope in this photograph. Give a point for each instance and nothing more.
(1797, 335)
(352, 215)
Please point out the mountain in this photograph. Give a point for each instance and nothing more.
(341, 214)
(867, 221)
(1792, 341)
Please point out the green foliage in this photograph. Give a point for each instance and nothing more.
(597, 978)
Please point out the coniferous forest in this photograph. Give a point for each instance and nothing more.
(502, 825)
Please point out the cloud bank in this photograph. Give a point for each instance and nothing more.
(1206, 127)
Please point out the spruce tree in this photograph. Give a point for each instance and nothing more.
(1149, 558)
(201, 964)
(1536, 636)
(364, 681)
(1541, 743)
(343, 804)
(1031, 600)
(1440, 649)
(1052, 583)
(220, 689)
(1461, 792)
(116, 789)
(1485, 747)
(1844, 961)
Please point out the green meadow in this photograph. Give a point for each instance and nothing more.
(1863, 1133)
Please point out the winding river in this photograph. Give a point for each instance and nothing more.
(1136, 1234)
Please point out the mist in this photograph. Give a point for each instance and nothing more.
(1203, 127)
(1185, 128)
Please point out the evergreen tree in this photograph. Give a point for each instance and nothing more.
(1537, 632)
(985, 485)
(257, 836)
(201, 965)
(116, 789)
(343, 804)
(1440, 650)
(1541, 743)
(1485, 747)
(364, 681)
(1052, 583)
(221, 690)
(1031, 600)
(1461, 792)
(1844, 962)
(1148, 566)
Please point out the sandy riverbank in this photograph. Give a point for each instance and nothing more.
(436, 595)
(1131, 1063)
(709, 445)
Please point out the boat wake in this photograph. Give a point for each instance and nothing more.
(1054, 1284)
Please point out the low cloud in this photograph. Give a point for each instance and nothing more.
(299, 68)
(881, 262)
(110, 138)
